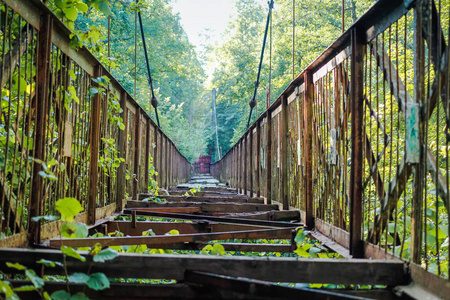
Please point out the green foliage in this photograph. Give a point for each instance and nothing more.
(68, 208)
(214, 249)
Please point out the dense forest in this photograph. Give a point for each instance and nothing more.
(182, 85)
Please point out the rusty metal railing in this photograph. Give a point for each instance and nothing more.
(359, 140)
(68, 129)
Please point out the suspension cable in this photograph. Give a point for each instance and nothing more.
(252, 102)
(153, 101)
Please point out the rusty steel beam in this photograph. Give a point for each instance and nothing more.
(257, 288)
(216, 219)
(280, 233)
(41, 104)
(166, 266)
(356, 171)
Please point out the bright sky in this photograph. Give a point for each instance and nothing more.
(197, 16)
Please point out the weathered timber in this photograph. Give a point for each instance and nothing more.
(174, 209)
(260, 288)
(161, 228)
(165, 266)
(207, 207)
(213, 218)
(280, 233)
(283, 215)
(215, 198)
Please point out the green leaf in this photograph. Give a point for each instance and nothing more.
(71, 13)
(103, 6)
(78, 278)
(81, 7)
(79, 296)
(173, 232)
(25, 288)
(314, 250)
(68, 208)
(93, 91)
(301, 252)
(6, 289)
(47, 218)
(218, 249)
(69, 251)
(49, 263)
(105, 254)
(61, 295)
(45, 175)
(68, 230)
(98, 281)
(37, 281)
(16, 266)
(300, 236)
(148, 233)
(82, 231)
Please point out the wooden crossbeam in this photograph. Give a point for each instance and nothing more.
(227, 198)
(174, 209)
(280, 233)
(212, 218)
(161, 228)
(166, 266)
(207, 207)
(276, 215)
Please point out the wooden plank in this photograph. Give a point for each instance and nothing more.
(257, 288)
(283, 215)
(166, 266)
(213, 218)
(207, 207)
(186, 210)
(216, 198)
(280, 233)
(436, 285)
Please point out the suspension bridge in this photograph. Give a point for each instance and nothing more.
(354, 153)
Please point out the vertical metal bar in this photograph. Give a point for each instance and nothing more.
(166, 162)
(250, 174)
(121, 180)
(41, 103)
(307, 108)
(418, 170)
(137, 151)
(356, 171)
(155, 150)
(245, 142)
(160, 153)
(94, 149)
(258, 159)
(147, 153)
(269, 156)
(283, 153)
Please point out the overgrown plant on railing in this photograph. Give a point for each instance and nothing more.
(68, 209)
